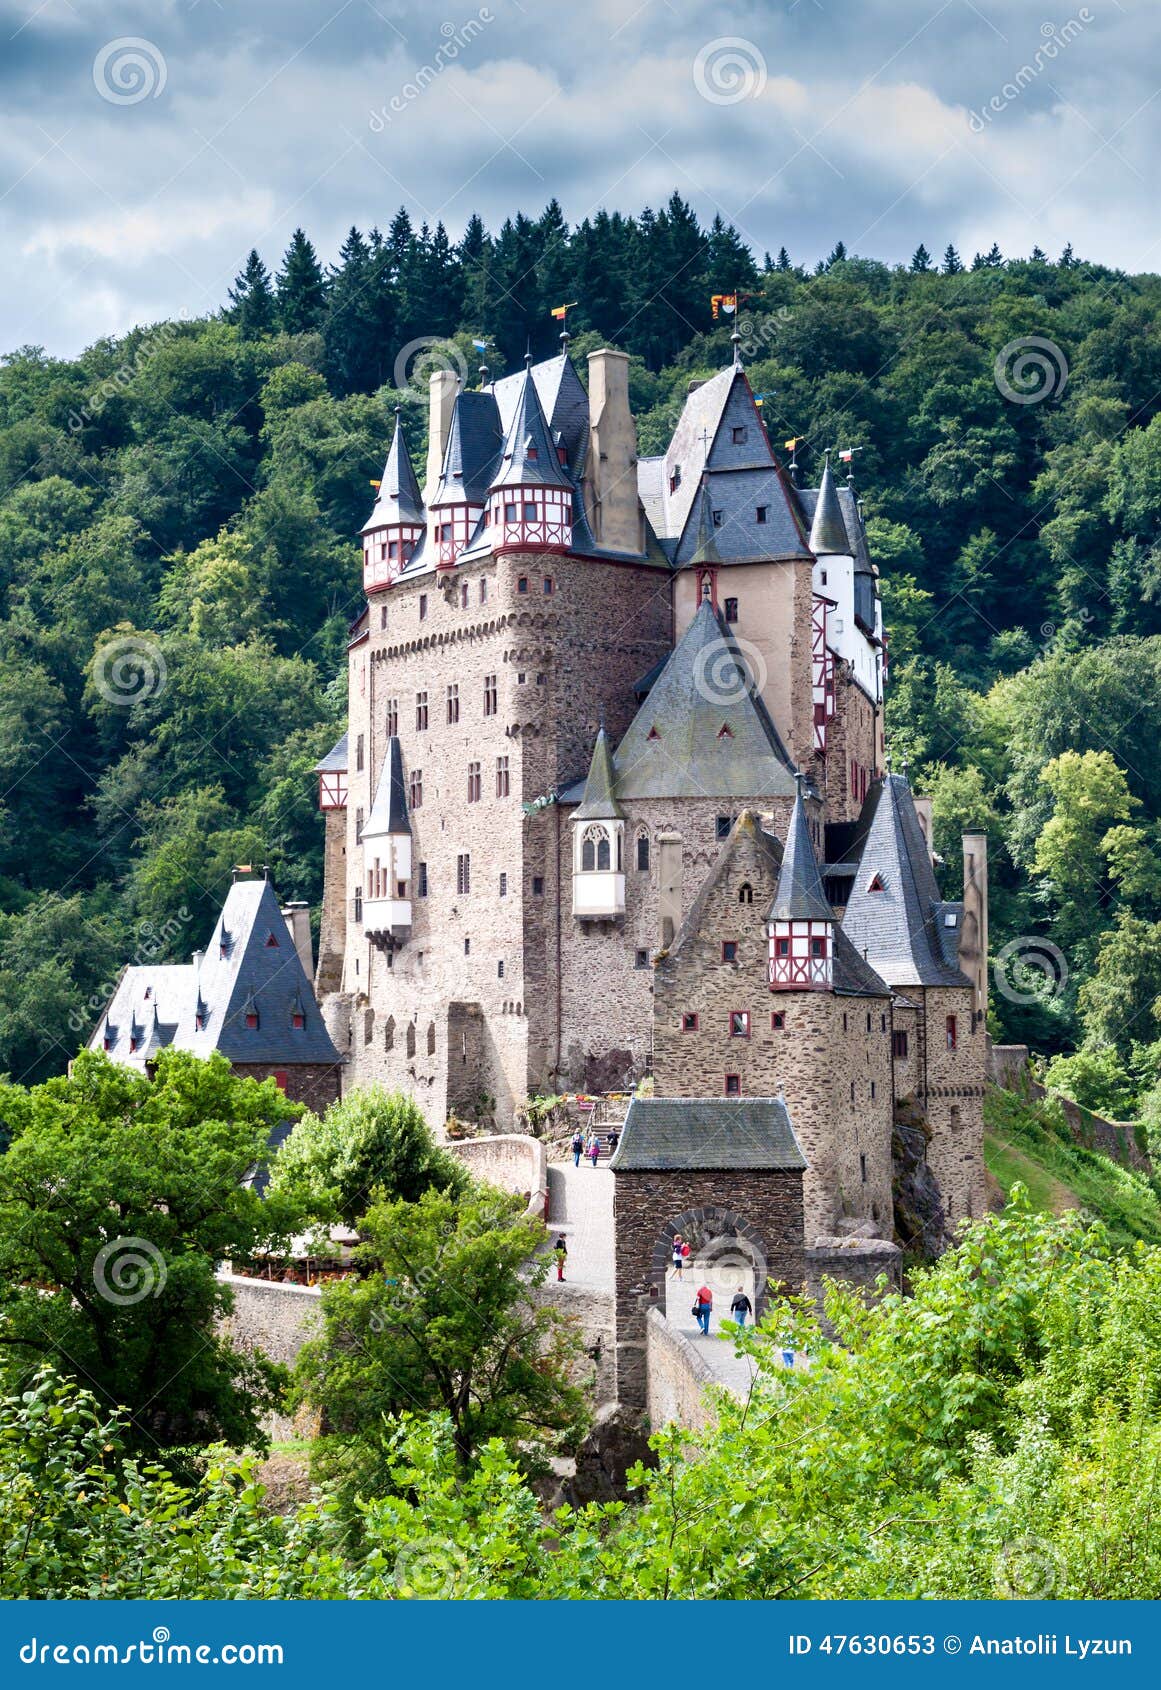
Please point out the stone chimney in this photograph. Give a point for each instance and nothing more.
(973, 942)
(442, 390)
(612, 458)
(297, 918)
(923, 808)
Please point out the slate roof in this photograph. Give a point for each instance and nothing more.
(240, 967)
(800, 896)
(336, 758)
(721, 1132)
(474, 443)
(828, 530)
(563, 400)
(599, 802)
(399, 498)
(529, 457)
(703, 729)
(898, 926)
(389, 808)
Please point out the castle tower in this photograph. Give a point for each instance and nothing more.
(598, 858)
(973, 944)
(530, 500)
(800, 921)
(387, 856)
(456, 506)
(395, 526)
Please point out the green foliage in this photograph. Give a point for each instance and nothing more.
(119, 1197)
(374, 1143)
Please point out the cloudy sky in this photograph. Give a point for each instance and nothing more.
(145, 147)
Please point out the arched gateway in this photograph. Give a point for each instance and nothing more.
(724, 1172)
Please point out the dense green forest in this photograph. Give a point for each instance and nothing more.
(178, 565)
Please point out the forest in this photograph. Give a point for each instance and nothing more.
(179, 567)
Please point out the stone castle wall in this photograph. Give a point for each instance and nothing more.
(853, 734)
(951, 1094)
(317, 1084)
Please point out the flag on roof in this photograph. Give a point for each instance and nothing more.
(560, 312)
(727, 302)
(376, 485)
(792, 445)
(480, 345)
(847, 454)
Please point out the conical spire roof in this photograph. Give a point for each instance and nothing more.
(389, 810)
(800, 896)
(599, 802)
(707, 546)
(828, 531)
(399, 496)
(529, 457)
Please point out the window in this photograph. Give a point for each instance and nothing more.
(844, 1021)
(738, 436)
(503, 885)
(500, 969)
(731, 612)
(431, 1038)
(899, 1044)
(382, 616)
(483, 592)
(641, 959)
(416, 785)
(503, 778)
(467, 947)
(863, 1166)
(745, 893)
(252, 1018)
(868, 1020)
(548, 585)
(453, 703)
(818, 947)
(722, 826)
(951, 1032)
(423, 596)
(739, 1023)
(529, 510)
(464, 596)
(358, 837)
(643, 852)
(522, 583)
(729, 950)
(689, 1021)
(271, 945)
(422, 879)
(675, 478)
(538, 886)
(763, 513)
(358, 751)
(778, 1021)
(358, 911)
(604, 859)
(733, 1085)
(491, 697)
(392, 718)
(411, 1038)
(445, 533)
(474, 783)
(420, 712)
(725, 731)
(298, 1021)
(389, 1033)
(717, 518)
(782, 948)
(653, 734)
(463, 873)
(872, 1091)
(875, 884)
(883, 1022)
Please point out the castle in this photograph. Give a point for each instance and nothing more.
(613, 798)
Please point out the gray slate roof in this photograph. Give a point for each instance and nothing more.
(800, 896)
(563, 400)
(240, 967)
(399, 497)
(899, 926)
(599, 802)
(529, 457)
(389, 808)
(336, 758)
(717, 1132)
(828, 530)
(704, 688)
(473, 450)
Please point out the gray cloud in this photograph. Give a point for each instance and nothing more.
(856, 123)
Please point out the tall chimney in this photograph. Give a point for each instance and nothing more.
(973, 942)
(612, 458)
(297, 918)
(442, 390)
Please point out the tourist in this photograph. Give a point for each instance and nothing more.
(560, 1251)
(578, 1144)
(741, 1306)
(678, 1257)
(594, 1149)
(703, 1308)
(614, 1140)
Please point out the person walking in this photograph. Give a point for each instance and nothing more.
(594, 1149)
(560, 1251)
(678, 1258)
(703, 1308)
(578, 1144)
(741, 1306)
(614, 1140)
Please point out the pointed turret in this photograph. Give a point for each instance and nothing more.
(707, 558)
(395, 526)
(461, 492)
(800, 921)
(386, 843)
(531, 496)
(598, 838)
(828, 531)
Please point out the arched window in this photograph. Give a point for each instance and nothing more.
(643, 850)
(411, 1038)
(745, 893)
(603, 858)
(431, 1038)
(594, 849)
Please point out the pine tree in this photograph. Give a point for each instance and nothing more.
(838, 255)
(994, 259)
(301, 290)
(1038, 257)
(359, 323)
(767, 262)
(951, 261)
(728, 258)
(1067, 259)
(920, 259)
(252, 299)
(783, 259)
(474, 255)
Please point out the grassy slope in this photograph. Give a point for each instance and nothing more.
(1031, 1142)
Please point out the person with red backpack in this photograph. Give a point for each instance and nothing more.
(703, 1307)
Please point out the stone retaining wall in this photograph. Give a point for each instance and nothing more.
(511, 1161)
(676, 1377)
(270, 1316)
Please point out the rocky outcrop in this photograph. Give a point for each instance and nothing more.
(920, 1221)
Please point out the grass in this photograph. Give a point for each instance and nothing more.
(1031, 1142)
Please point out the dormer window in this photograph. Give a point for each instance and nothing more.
(725, 731)
(252, 1019)
(562, 455)
(532, 453)
(738, 436)
(717, 516)
(271, 942)
(875, 884)
(653, 734)
(675, 478)
(298, 1021)
(763, 513)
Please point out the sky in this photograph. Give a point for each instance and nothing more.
(146, 147)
